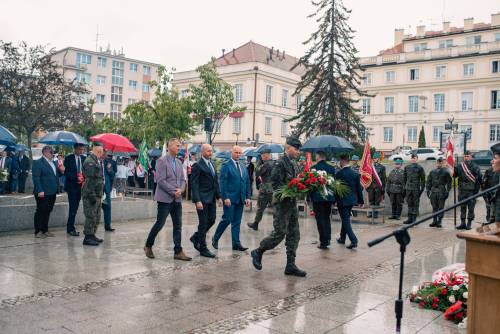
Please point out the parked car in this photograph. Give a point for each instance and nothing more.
(401, 149)
(483, 158)
(424, 153)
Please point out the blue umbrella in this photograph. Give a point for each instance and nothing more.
(6, 137)
(63, 138)
(17, 148)
(154, 152)
(195, 149)
(275, 148)
(327, 144)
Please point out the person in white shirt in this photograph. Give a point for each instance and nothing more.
(131, 172)
(140, 173)
(121, 177)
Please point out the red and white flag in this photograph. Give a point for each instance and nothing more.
(449, 152)
(366, 169)
(376, 177)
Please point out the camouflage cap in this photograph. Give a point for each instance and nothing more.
(295, 142)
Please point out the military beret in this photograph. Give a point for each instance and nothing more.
(265, 151)
(496, 148)
(295, 142)
(355, 158)
(376, 155)
(398, 162)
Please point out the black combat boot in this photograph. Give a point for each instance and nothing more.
(375, 214)
(256, 255)
(292, 270)
(439, 223)
(469, 224)
(434, 222)
(409, 220)
(462, 226)
(253, 226)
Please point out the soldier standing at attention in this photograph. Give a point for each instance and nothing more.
(285, 215)
(263, 176)
(438, 189)
(414, 180)
(375, 194)
(469, 183)
(92, 192)
(396, 189)
(490, 179)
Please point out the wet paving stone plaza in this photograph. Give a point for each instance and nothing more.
(56, 285)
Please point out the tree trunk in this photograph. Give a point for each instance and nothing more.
(29, 135)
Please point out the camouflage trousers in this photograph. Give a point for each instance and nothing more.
(437, 201)
(413, 200)
(92, 212)
(374, 195)
(286, 226)
(490, 211)
(467, 209)
(263, 201)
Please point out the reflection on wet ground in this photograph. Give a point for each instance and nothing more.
(58, 286)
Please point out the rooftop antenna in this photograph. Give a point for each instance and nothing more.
(97, 38)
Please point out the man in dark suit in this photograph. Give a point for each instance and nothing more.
(14, 173)
(322, 204)
(5, 169)
(235, 192)
(205, 193)
(73, 172)
(45, 181)
(24, 166)
(110, 169)
(345, 203)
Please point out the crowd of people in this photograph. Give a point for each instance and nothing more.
(14, 170)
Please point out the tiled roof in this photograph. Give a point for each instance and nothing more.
(453, 30)
(252, 52)
(394, 50)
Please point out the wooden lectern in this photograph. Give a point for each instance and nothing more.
(482, 262)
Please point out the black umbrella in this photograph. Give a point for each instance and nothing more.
(275, 148)
(6, 137)
(63, 138)
(327, 144)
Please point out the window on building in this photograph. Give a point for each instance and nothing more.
(448, 43)
(83, 58)
(412, 134)
(115, 111)
(101, 80)
(298, 101)
(471, 40)
(389, 105)
(414, 74)
(133, 67)
(269, 94)
(184, 93)
(131, 101)
(132, 84)
(466, 101)
(440, 71)
(237, 125)
(495, 99)
(83, 77)
(100, 98)
(419, 47)
(238, 93)
(367, 79)
(495, 66)
(268, 126)
(365, 106)
(101, 62)
(116, 94)
(145, 88)
(146, 70)
(439, 102)
(387, 135)
(468, 131)
(468, 70)
(117, 73)
(390, 76)
(413, 103)
(494, 132)
(284, 128)
(436, 133)
(284, 98)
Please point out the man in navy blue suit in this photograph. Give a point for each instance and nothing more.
(110, 169)
(345, 203)
(45, 181)
(235, 192)
(73, 164)
(322, 204)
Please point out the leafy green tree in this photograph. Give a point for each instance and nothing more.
(34, 95)
(421, 137)
(212, 99)
(332, 77)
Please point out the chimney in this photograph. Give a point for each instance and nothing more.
(420, 31)
(271, 53)
(234, 52)
(446, 27)
(398, 36)
(278, 53)
(223, 52)
(495, 19)
(469, 23)
(283, 54)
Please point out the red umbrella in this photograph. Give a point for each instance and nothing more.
(114, 142)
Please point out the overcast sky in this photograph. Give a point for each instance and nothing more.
(186, 33)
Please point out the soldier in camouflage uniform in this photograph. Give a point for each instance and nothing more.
(285, 215)
(495, 164)
(375, 194)
(396, 189)
(92, 192)
(263, 174)
(469, 183)
(355, 163)
(414, 180)
(490, 179)
(438, 189)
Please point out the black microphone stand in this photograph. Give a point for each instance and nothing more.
(403, 239)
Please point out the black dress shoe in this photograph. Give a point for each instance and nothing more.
(253, 226)
(323, 247)
(90, 242)
(340, 241)
(352, 246)
(215, 244)
(99, 240)
(109, 229)
(74, 233)
(256, 255)
(195, 242)
(240, 248)
(207, 253)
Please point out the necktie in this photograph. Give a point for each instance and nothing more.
(211, 167)
(238, 167)
(78, 164)
(1, 162)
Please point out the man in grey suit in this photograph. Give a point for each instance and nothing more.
(170, 185)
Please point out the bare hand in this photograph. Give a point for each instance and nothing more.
(41, 194)
(361, 206)
(227, 202)
(178, 193)
(247, 202)
(199, 206)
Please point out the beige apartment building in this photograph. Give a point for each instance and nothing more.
(114, 81)
(435, 75)
(263, 83)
